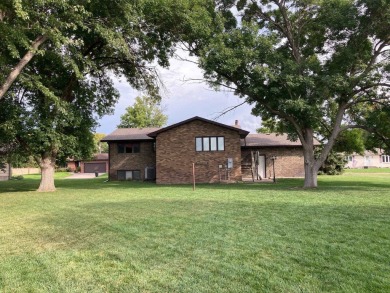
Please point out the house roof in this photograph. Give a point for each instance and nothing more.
(270, 140)
(130, 134)
(243, 133)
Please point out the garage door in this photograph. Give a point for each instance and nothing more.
(95, 167)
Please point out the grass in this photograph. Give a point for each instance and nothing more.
(100, 236)
(369, 170)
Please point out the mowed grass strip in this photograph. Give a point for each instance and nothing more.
(100, 236)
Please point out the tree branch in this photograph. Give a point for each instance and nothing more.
(22, 63)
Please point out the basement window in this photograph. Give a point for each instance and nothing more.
(128, 148)
(209, 143)
(129, 175)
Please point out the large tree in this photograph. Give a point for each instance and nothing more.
(58, 58)
(308, 65)
(146, 112)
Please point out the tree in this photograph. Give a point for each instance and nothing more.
(146, 112)
(307, 65)
(72, 50)
(100, 147)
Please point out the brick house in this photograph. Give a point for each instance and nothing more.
(220, 153)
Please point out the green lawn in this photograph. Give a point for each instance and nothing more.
(97, 236)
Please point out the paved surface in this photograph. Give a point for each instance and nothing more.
(82, 175)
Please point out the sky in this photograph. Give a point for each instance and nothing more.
(184, 99)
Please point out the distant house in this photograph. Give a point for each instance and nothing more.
(368, 160)
(99, 163)
(215, 151)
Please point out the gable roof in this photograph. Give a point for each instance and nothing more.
(269, 140)
(130, 134)
(243, 133)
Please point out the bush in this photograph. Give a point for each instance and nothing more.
(333, 165)
(19, 177)
(62, 169)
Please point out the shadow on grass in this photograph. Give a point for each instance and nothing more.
(28, 185)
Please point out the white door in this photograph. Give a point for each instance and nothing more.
(261, 167)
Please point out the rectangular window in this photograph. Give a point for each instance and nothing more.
(221, 143)
(213, 143)
(128, 148)
(198, 144)
(385, 159)
(129, 175)
(206, 144)
(209, 143)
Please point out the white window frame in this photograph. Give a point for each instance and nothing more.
(385, 159)
(210, 143)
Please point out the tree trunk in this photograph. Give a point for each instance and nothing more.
(47, 166)
(311, 165)
(310, 169)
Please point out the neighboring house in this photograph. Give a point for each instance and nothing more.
(5, 172)
(368, 160)
(219, 153)
(99, 163)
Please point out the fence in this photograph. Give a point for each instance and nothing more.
(25, 171)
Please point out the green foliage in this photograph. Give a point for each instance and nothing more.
(3, 166)
(378, 128)
(146, 112)
(333, 165)
(351, 141)
(100, 147)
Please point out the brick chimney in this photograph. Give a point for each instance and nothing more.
(236, 124)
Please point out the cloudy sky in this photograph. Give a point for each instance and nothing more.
(183, 99)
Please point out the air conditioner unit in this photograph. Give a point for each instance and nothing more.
(150, 173)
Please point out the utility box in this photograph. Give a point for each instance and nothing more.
(230, 163)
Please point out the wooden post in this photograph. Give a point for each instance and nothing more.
(252, 166)
(193, 176)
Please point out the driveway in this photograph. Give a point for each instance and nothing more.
(83, 175)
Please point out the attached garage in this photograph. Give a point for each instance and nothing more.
(95, 167)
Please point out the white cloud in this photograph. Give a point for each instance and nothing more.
(183, 99)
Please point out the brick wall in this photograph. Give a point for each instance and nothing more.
(289, 162)
(176, 153)
(137, 161)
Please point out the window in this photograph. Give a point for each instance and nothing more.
(129, 175)
(385, 159)
(209, 143)
(198, 144)
(221, 143)
(128, 148)
(349, 158)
